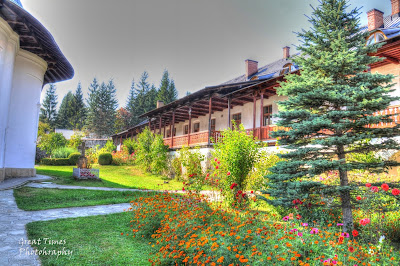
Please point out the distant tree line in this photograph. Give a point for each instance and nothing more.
(99, 112)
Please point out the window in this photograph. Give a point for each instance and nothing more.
(196, 127)
(238, 119)
(287, 69)
(267, 115)
(376, 37)
(186, 130)
(213, 124)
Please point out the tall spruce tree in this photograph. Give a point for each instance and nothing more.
(66, 112)
(48, 112)
(163, 91)
(329, 107)
(131, 105)
(93, 108)
(79, 115)
(172, 92)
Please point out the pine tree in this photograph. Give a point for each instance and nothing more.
(122, 120)
(48, 112)
(163, 91)
(151, 99)
(328, 110)
(131, 105)
(79, 115)
(172, 92)
(93, 107)
(66, 112)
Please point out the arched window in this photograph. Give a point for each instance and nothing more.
(287, 69)
(375, 37)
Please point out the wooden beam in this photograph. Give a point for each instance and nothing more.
(209, 119)
(254, 113)
(190, 124)
(159, 127)
(390, 59)
(173, 128)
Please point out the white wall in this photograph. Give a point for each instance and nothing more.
(24, 109)
(9, 44)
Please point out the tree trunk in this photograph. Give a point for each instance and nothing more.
(345, 195)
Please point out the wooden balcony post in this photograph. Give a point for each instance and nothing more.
(209, 119)
(173, 128)
(159, 128)
(229, 111)
(261, 114)
(149, 123)
(190, 124)
(165, 124)
(254, 112)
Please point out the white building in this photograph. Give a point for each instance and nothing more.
(29, 59)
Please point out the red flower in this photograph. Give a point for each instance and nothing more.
(215, 159)
(374, 189)
(395, 192)
(216, 167)
(351, 249)
(358, 198)
(368, 185)
(298, 216)
(252, 192)
(208, 175)
(355, 233)
(233, 185)
(229, 173)
(385, 187)
(239, 192)
(365, 221)
(218, 162)
(183, 189)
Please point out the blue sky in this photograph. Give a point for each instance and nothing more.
(201, 43)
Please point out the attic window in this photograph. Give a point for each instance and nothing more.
(287, 69)
(376, 37)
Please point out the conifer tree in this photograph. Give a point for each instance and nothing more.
(106, 105)
(172, 92)
(131, 105)
(66, 112)
(329, 107)
(163, 91)
(93, 108)
(79, 116)
(48, 112)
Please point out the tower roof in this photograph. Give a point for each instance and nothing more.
(35, 38)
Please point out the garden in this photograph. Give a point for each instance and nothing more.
(326, 199)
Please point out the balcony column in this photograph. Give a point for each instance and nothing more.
(229, 111)
(190, 124)
(209, 119)
(261, 113)
(173, 128)
(165, 124)
(254, 112)
(159, 128)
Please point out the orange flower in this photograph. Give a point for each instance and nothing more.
(221, 260)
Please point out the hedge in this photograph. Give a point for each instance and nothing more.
(55, 161)
(74, 157)
(105, 158)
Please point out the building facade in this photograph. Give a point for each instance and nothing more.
(29, 59)
(251, 98)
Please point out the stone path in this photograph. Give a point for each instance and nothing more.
(17, 182)
(13, 221)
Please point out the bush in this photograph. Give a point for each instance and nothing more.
(191, 161)
(143, 154)
(74, 157)
(52, 141)
(158, 155)
(176, 165)
(130, 146)
(62, 152)
(234, 159)
(93, 153)
(55, 161)
(76, 140)
(122, 158)
(105, 158)
(109, 147)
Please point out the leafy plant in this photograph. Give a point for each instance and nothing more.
(52, 141)
(76, 140)
(158, 155)
(130, 145)
(109, 147)
(74, 157)
(105, 158)
(191, 160)
(144, 155)
(62, 152)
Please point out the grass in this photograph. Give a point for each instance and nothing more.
(94, 240)
(111, 176)
(33, 199)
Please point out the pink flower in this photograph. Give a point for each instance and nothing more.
(304, 224)
(314, 231)
(365, 221)
(374, 189)
(300, 234)
(286, 218)
(339, 224)
(346, 235)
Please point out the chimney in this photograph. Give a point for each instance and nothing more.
(395, 7)
(251, 67)
(286, 52)
(160, 104)
(375, 19)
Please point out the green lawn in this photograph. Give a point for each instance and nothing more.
(111, 176)
(33, 199)
(94, 240)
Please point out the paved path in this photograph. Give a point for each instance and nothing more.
(13, 221)
(20, 181)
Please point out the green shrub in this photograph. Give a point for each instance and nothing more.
(158, 155)
(76, 140)
(92, 154)
(109, 147)
(52, 141)
(74, 157)
(176, 165)
(105, 158)
(143, 154)
(234, 159)
(191, 161)
(55, 161)
(129, 146)
(62, 152)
